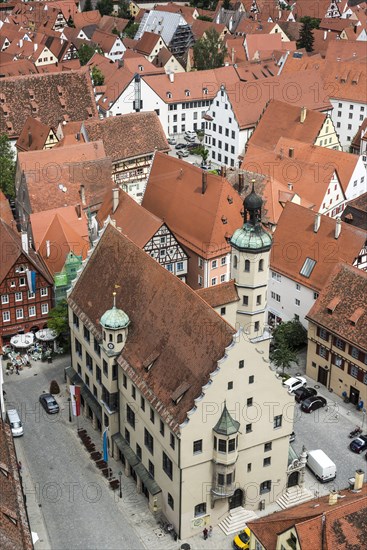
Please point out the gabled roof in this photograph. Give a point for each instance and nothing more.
(165, 319)
(347, 319)
(163, 23)
(40, 96)
(5, 211)
(281, 119)
(11, 250)
(72, 166)
(137, 223)
(220, 295)
(355, 212)
(108, 23)
(201, 222)
(259, 42)
(199, 28)
(62, 239)
(105, 40)
(296, 225)
(33, 136)
(85, 18)
(147, 43)
(144, 128)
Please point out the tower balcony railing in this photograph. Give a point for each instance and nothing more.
(223, 491)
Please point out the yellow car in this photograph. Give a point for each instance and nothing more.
(242, 540)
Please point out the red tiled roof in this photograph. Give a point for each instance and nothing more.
(33, 136)
(296, 229)
(174, 194)
(219, 295)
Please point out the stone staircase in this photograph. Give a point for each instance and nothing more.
(236, 520)
(293, 496)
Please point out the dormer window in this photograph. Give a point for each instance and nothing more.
(187, 93)
(169, 95)
(141, 68)
(205, 91)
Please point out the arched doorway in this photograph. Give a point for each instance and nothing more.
(236, 500)
(293, 479)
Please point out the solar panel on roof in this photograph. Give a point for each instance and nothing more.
(307, 267)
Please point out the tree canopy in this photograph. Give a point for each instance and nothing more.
(58, 318)
(7, 167)
(306, 38)
(105, 7)
(88, 5)
(86, 52)
(287, 339)
(209, 52)
(97, 76)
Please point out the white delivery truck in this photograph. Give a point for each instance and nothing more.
(321, 466)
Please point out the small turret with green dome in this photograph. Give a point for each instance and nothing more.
(252, 237)
(115, 324)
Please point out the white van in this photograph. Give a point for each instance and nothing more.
(321, 466)
(15, 423)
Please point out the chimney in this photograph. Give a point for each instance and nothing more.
(29, 139)
(82, 194)
(241, 182)
(48, 249)
(35, 46)
(115, 199)
(291, 152)
(24, 237)
(223, 171)
(358, 480)
(203, 182)
(233, 56)
(21, 43)
(338, 228)
(303, 115)
(78, 210)
(333, 498)
(325, 35)
(171, 77)
(317, 221)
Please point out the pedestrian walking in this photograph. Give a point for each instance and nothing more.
(17, 369)
(210, 532)
(205, 533)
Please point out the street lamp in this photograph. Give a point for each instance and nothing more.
(120, 474)
(69, 401)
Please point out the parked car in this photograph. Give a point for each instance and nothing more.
(242, 540)
(180, 146)
(292, 384)
(191, 139)
(182, 153)
(312, 403)
(303, 393)
(15, 423)
(171, 141)
(49, 403)
(359, 445)
(190, 133)
(192, 145)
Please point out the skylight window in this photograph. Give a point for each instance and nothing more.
(307, 267)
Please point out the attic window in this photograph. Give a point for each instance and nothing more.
(332, 304)
(62, 102)
(355, 78)
(180, 392)
(66, 118)
(150, 360)
(307, 267)
(354, 318)
(205, 91)
(34, 107)
(187, 92)
(89, 111)
(230, 199)
(141, 68)
(169, 95)
(31, 94)
(9, 126)
(2, 98)
(224, 220)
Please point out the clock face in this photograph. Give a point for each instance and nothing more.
(110, 345)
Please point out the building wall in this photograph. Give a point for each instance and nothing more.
(117, 51)
(34, 309)
(46, 58)
(347, 117)
(164, 248)
(228, 312)
(334, 200)
(328, 136)
(358, 182)
(345, 364)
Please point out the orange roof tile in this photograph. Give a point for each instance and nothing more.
(219, 295)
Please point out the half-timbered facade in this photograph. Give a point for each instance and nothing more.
(165, 249)
(26, 287)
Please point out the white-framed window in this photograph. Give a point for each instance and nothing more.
(162, 252)
(180, 266)
(223, 278)
(276, 276)
(5, 299)
(275, 296)
(44, 308)
(200, 262)
(32, 311)
(19, 313)
(214, 264)
(214, 281)
(31, 295)
(6, 316)
(200, 280)
(298, 302)
(298, 287)
(21, 281)
(18, 296)
(223, 260)
(12, 284)
(44, 291)
(169, 267)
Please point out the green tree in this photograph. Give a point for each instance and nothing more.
(292, 333)
(7, 167)
(312, 21)
(204, 18)
(131, 29)
(306, 38)
(105, 7)
(123, 10)
(97, 76)
(58, 318)
(282, 356)
(209, 52)
(88, 5)
(204, 153)
(226, 4)
(86, 52)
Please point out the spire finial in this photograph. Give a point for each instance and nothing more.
(114, 298)
(253, 185)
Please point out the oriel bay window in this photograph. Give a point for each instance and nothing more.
(111, 400)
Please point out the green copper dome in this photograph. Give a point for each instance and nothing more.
(250, 237)
(226, 425)
(114, 319)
